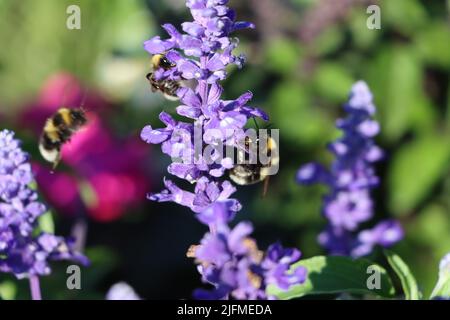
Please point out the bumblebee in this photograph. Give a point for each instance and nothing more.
(58, 130)
(252, 173)
(161, 61)
(167, 87)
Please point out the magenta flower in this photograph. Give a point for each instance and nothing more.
(106, 176)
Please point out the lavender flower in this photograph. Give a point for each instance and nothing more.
(22, 253)
(230, 260)
(201, 54)
(350, 179)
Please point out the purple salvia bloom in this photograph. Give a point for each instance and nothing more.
(21, 251)
(202, 54)
(350, 179)
(231, 261)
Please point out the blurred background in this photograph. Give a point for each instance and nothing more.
(302, 60)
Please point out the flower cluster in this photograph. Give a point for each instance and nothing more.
(230, 260)
(21, 251)
(200, 55)
(227, 257)
(350, 179)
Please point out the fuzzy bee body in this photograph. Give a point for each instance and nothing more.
(58, 130)
(247, 174)
(161, 61)
(167, 87)
(252, 173)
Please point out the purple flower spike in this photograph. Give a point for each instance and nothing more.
(231, 261)
(227, 257)
(350, 179)
(201, 50)
(23, 253)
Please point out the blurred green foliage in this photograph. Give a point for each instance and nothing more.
(301, 84)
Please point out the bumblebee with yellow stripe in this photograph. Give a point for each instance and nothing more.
(58, 130)
(161, 61)
(252, 173)
(167, 87)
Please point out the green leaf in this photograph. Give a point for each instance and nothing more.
(431, 225)
(46, 222)
(333, 81)
(415, 169)
(336, 274)
(8, 290)
(362, 36)
(406, 16)
(284, 56)
(293, 102)
(407, 279)
(442, 288)
(328, 41)
(432, 44)
(396, 77)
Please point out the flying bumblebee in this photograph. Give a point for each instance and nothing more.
(167, 87)
(58, 130)
(249, 173)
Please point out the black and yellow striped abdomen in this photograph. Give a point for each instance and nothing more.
(58, 130)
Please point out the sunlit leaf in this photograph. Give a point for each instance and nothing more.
(407, 279)
(46, 222)
(8, 290)
(336, 274)
(415, 168)
(433, 44)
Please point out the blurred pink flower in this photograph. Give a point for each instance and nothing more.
(107, 175)
(61, 89)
